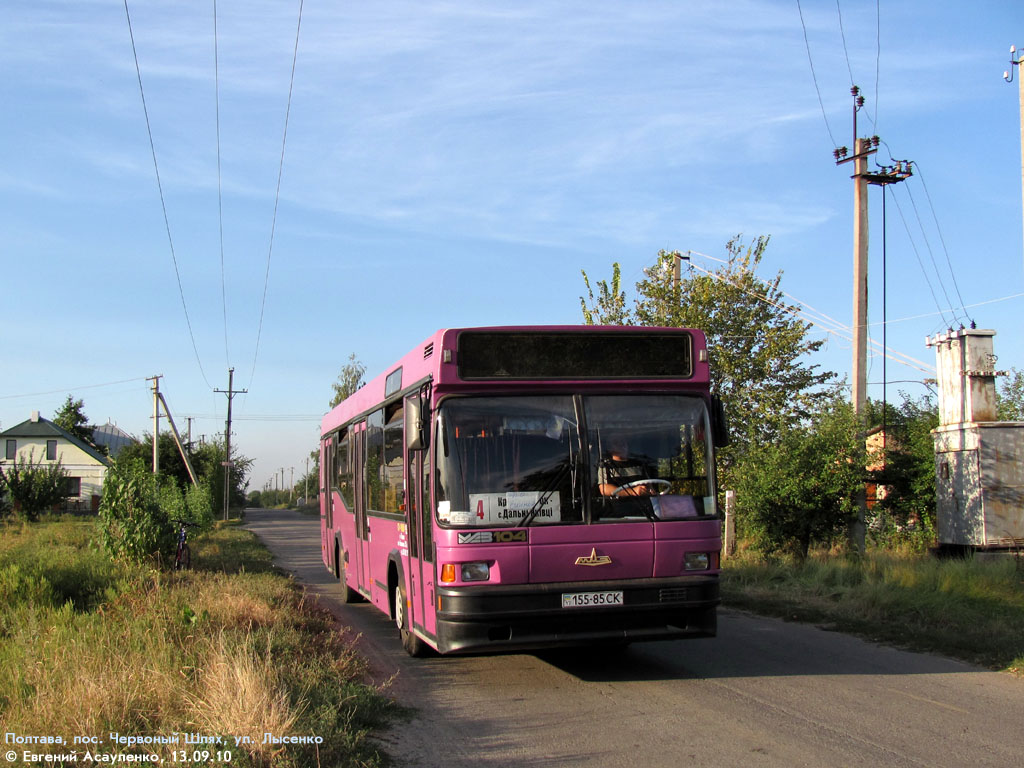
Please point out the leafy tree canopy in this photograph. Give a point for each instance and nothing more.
(758, 347)
(71, 418)
(349, 380)
(1010, 397)
(800, 490)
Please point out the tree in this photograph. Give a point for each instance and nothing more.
(609, 308)
(206, 460)
(34, 487)
(800, 489)
(71, 418)
(757, 345)
(349, 380)
(905, 510)
(1010, 397)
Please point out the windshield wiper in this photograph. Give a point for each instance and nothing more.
(544, 496)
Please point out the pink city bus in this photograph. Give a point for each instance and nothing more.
(527, 487)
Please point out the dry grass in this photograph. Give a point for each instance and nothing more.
(150, 653)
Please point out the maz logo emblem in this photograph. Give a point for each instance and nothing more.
(594, 559)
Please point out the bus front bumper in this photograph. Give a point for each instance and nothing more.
(525, 616)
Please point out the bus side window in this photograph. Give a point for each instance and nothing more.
(426, 510)
(393, 466)
(345, 475)
(374, 442)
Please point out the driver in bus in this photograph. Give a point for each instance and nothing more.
(618, 471)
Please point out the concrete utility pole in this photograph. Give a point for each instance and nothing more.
(1015, 61)
(230, 392)
(291, 483)
(862, 149)
(156, 421)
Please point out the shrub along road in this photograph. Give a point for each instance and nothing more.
(763, 693)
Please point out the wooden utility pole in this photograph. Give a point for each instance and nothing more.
(1015, 61)
(156, 421)
(862, 149)
(230, 392)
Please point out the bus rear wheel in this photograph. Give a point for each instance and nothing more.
(412, 644)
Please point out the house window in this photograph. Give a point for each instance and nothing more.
(51, 450)
(12, 449)
(74, 487)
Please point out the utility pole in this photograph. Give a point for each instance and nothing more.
(1015, 61)
(862, 149)
(676, 269)
(230, 392)
(156, 421)
(291, 483)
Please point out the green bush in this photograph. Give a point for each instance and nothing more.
(134, 524)
(800, 491)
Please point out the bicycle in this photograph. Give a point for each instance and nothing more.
(183, 555)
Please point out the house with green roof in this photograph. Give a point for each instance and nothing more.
(42, 440)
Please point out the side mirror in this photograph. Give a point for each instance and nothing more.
(416, 424)
(719, 424)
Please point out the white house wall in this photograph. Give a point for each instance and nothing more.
(76, 462)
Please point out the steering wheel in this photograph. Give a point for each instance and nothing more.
(653, 481)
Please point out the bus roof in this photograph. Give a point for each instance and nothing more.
(437, 358)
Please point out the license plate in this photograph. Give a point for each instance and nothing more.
(590, 599)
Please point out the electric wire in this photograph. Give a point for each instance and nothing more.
(878, 56)
(277, 195)
(924, 271)
(842, 332)
(842, 33)
(814, 76)
(938, 229)
(160, 188)
(220, 194)
(73, 389)
(931, 254)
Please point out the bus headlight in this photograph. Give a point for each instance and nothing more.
(696, 561)
(475, 572)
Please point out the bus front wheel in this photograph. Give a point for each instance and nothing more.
(412, 644)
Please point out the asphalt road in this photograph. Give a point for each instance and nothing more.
(763, 693)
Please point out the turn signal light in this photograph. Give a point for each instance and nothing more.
(448, 573)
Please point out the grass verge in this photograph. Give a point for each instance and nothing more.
(89, 647)
(968, 609)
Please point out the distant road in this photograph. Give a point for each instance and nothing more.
(763, 693)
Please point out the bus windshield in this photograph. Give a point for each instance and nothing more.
(523, 460)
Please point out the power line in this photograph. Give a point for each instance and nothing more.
(942, 240)
(72, 389)
(841, 331)
(220, 196)
(160, 188)
(924, 272)
(814, 76)
(842, 33)
(277, 193)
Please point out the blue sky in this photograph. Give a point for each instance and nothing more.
(455, 164)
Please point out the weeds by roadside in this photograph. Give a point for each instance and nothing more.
(91, 647)
(969, 609)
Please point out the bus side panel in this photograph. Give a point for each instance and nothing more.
(345, 528)
(384, 538)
